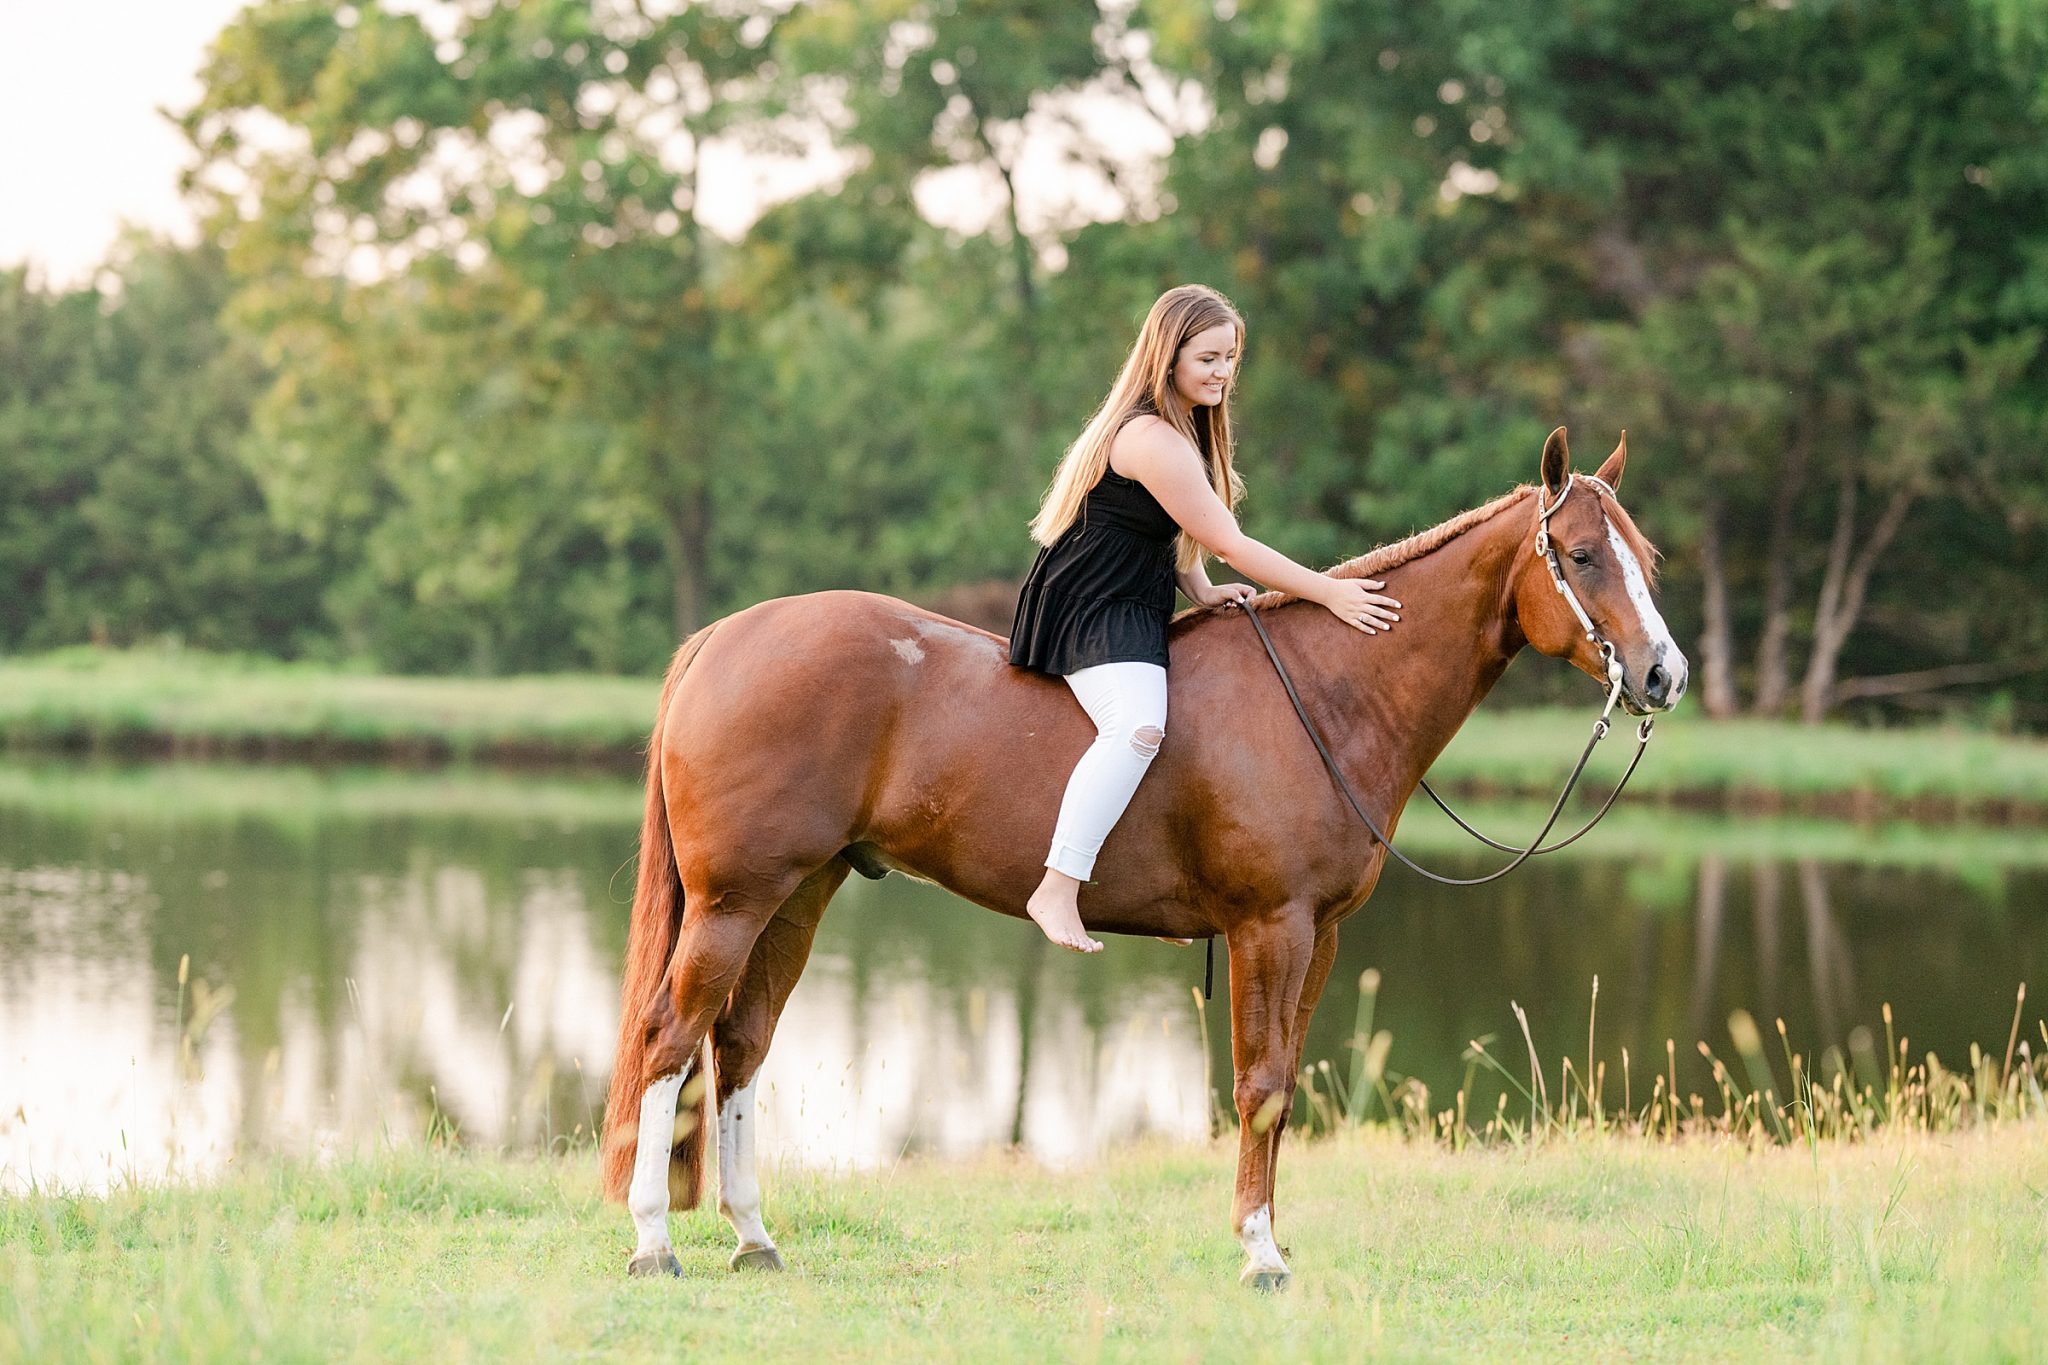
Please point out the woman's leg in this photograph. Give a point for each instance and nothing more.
(1127, 702)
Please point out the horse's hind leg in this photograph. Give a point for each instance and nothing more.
(740, 1042)
(723, 919)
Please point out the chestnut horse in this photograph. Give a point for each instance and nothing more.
(809, 737)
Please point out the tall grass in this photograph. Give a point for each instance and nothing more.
(1796, 1213)
(1860, 1096)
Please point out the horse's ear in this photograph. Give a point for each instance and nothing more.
(1557, 462)
(1610, 472)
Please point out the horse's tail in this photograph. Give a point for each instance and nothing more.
(651, 935)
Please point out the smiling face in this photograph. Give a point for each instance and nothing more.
(1204, 365)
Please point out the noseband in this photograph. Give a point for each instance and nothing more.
(1548, 549)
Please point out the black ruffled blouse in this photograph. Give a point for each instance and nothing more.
(1103, 592)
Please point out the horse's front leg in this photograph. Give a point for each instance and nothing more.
(1269, 963)
(1320, 960)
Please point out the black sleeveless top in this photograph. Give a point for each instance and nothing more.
(1102, 592)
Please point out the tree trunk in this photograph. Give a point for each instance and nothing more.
(1717, 636)
(1020, 245)
(1842, 591)
(1773, 666)
(689, 533)
(1020, 249)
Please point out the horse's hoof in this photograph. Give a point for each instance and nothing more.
(1265, 1281)
(654, 1263)
(757, 1258)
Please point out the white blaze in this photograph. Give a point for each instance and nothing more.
(1638, 585)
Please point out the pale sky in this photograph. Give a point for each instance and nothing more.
(82, 148)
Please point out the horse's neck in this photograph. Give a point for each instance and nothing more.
(1389, 704)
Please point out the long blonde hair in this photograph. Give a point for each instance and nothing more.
(1146, 386)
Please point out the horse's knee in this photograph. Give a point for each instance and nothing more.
(1262, 1098)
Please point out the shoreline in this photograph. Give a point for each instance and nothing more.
(138, 706)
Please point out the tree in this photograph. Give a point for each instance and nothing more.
(1834, 297)
(515, 191)
(127, 516)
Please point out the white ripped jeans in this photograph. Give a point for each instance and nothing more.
(1127, 702)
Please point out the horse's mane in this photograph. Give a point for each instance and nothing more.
(1378, 561)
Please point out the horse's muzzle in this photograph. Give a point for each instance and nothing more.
(1657, 688)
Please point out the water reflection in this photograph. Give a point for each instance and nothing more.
(377, 958)
(395, 977)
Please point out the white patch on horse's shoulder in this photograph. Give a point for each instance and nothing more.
(908, 650)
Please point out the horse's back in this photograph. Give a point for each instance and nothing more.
(833, 709)
(861, 644)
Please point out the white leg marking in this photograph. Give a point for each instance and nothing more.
(647, 1197)
(739, 1191)
(1666, 648)
(1257, 1238)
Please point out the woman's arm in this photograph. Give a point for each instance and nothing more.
(1161, 458)
(1195, 586)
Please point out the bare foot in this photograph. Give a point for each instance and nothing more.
(1054, 907)
(1176, 942)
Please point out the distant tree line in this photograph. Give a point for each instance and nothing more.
(464, 379)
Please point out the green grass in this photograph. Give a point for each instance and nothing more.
(140, 701)
(1690, 755)
(1904, 1248)
(196, 703)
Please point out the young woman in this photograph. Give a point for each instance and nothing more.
(1147, 488)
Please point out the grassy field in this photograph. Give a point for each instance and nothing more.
(155, 702)
(196, 703)
(1903, 1248)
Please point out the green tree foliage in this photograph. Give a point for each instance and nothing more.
(510, 193)
(502, 382)
(126, 516)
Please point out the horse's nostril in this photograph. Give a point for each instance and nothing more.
(1657, 683)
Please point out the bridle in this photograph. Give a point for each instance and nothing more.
(1547, 548)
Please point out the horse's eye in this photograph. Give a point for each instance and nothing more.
(1581, 557)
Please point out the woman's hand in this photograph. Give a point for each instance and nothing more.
(1357, 602)
(1222, 594)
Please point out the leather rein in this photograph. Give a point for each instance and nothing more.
(1536, 846)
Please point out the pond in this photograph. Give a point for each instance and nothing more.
(199, 963)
